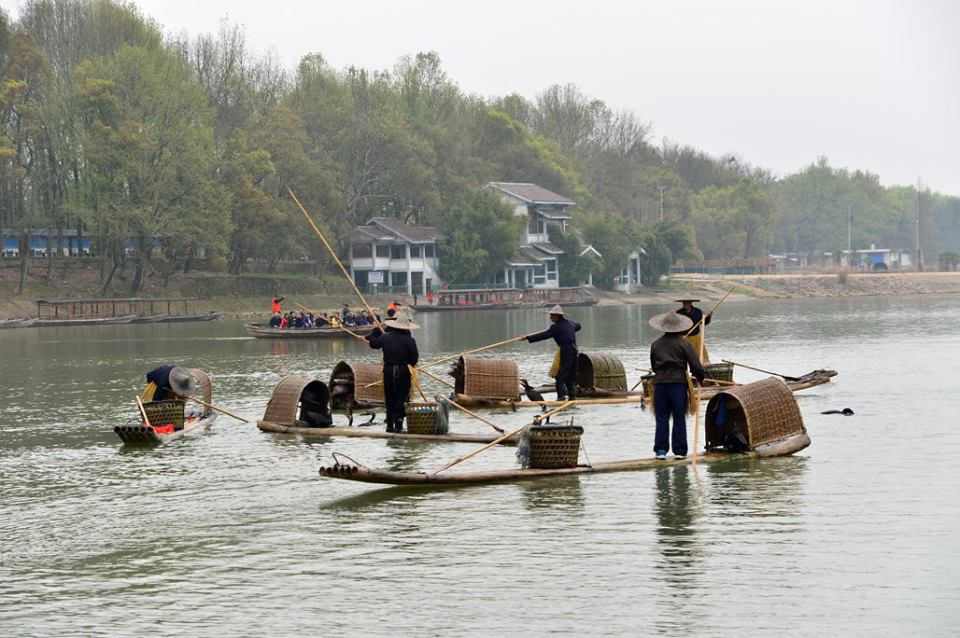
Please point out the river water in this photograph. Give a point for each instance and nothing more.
(233, 531)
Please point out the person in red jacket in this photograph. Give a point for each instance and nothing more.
(276, 305)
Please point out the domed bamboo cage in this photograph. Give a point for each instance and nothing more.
(600, 371)
(206, 386)
(296, 400)
(753, 415)
(487, 378)
(365, 381)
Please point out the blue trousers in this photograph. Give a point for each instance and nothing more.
(670, 399)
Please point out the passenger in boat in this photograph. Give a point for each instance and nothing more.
(695, 337)
(275, 320)
(564, 335)
(399, 353)
(670, 356)
(276, 306)
(285, 322)
(168, 382)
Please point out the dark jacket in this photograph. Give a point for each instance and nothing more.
(669, 357)
(695, 315)
(563, 333)
(399, 347)
(161, 376)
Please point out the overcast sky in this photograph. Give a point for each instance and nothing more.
(870, 85)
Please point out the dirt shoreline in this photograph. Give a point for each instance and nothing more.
(707, 287)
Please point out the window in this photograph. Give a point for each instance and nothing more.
(414, 252)
(398, 251)
(540, 274)
(428, 251)
(361, 251)
(383, 250)
(398, 279)
(551, 269)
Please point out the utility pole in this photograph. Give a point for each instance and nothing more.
(661, 188)
(919, 254)
(849, 224)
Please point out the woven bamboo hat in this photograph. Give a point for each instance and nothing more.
(401, 321)
(556, 310)
(181, 381)
(670, 322)
(690, 299)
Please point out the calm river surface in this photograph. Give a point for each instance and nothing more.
(233, 532)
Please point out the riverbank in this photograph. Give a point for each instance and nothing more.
(249, 297)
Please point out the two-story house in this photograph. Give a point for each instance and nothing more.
(389, 253)
(535, 264)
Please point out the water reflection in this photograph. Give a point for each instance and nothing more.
(559, 494)
(675, 509)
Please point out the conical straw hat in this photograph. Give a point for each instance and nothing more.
(401, 321)
(670, 322)
(556, 310)
(181, 381)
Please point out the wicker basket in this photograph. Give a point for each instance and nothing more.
(719, 371)
(366, 380)
(206, 386)
(601, 371)
(762, 412)
(286, 399)
(554, 446)
(487, 378)
(421, 418)
(166, 412)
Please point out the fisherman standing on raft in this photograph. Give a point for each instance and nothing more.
(399, 354)
(694, 314)
(670, 355)
(564, 334)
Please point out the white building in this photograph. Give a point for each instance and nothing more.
(874, 258)
(389, 253)
(629, 279)
(535, 264)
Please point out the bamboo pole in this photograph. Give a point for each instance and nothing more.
(776, 374)
(335, 258)
(213, 407)
(475, 415)
(497, 440)
(143, 412)
(715, 306)
(416, 380)
(342, 327)
(436, 378)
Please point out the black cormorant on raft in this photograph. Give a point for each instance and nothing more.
(756, 420)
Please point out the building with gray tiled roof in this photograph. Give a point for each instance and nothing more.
(389, 253)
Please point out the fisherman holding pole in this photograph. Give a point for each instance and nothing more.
(399, 356)
(670, 356)
(564, 333)
(694, 314)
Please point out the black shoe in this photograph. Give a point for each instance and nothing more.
(390, 427)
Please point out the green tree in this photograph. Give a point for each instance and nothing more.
(483, 235)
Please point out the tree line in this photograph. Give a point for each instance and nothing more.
(115, 130)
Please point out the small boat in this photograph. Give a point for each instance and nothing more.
(213, 315)
(263, 331)
(99, 321)
(17, 323)
(140, 434)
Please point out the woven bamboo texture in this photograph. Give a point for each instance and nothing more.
(488, 378)
(285, 401)
(166, 412)
(554, 446)
(204, 381)
(647, 381)
(765, 411)
(367, 380)
(421, 418)
(601, 371)
(719, 371)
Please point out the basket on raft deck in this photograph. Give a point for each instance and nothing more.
(553, 446)
(600, 371)
(356, 384)
(718, 371)
(421, 417)
(747, 417)
(487, 378)
(299, 402)
(166, 412)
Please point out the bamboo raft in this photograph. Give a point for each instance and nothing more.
(364, 474)
(756, 420)
(172, 412)
(363, 432)
(263, 331)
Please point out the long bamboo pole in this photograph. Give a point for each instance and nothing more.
(776, 374)
(335, 258)
(475, 415)
(717, 305)
(696, 427)
(213, 407)
(497, 440)
(436, 378)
